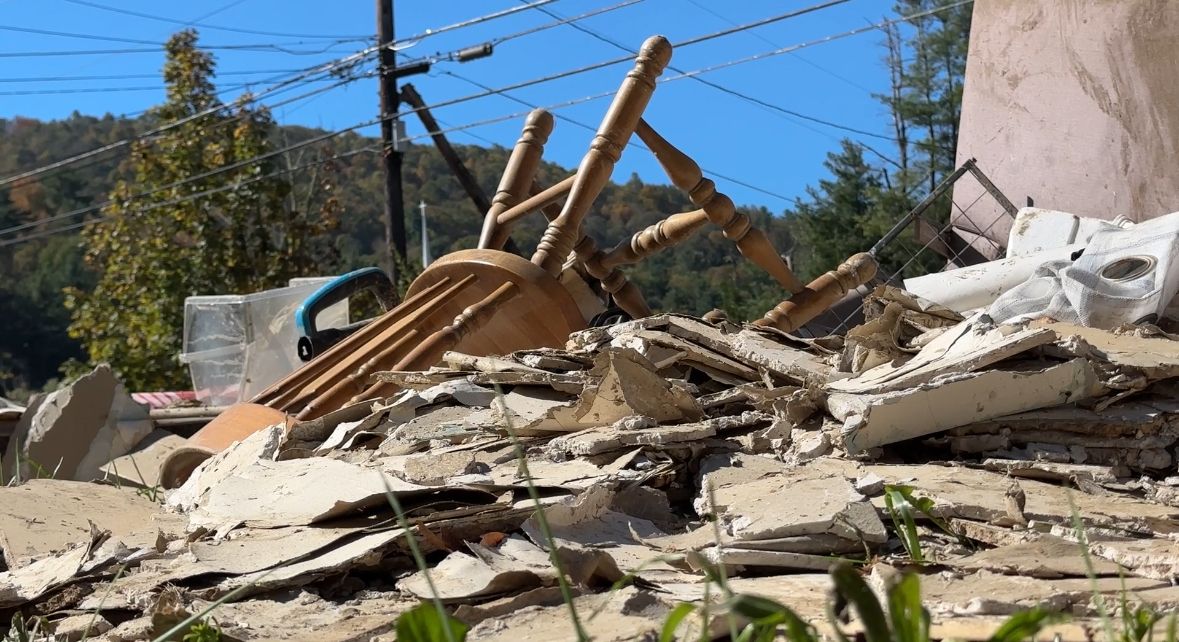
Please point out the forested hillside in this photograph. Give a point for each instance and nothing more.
(696, 277)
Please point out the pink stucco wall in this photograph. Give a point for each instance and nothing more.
(1074, 103)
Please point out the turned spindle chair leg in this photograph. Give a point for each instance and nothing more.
(821, 294)
(517, 177)
(605, 150)
(686, 175)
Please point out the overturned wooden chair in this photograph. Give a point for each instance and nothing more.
(487, 301)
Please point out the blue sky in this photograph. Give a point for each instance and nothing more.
(728, 135)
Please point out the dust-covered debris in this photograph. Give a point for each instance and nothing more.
(636, 437)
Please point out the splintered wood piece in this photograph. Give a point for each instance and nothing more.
(594, 172)
(540, 199)
(473, 318)
(686, 175)
(517, 177)
(821, 293)
(672, 230)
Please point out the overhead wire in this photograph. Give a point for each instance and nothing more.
(492, 91)
(629, 143)
(189, 197)
(338, 63)
(729, 90)
(198, 23)
(237, 72)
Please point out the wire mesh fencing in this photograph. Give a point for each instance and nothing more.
(919, 244)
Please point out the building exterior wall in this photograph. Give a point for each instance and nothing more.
(1075, 104)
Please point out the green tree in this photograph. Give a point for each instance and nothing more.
(226, 229)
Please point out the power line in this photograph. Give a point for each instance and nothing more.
(137, 76)
(190, 197)
(729, 90)
(327, 67)
(563, 21)
(721, 17)
(283, 48)
(630, 143)
(108, 90)
(196, 23)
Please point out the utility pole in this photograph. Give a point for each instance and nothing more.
(395, 244)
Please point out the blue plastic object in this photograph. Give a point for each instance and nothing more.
(313, 340)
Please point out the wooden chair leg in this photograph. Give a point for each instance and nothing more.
(686, 175)
(605, 150)
(517, 178)
(821, 294)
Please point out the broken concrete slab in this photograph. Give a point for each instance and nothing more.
(872, 420)
(46, 516)
(635, 614)
(1154, 357)
(1154, 558)
(73, 431)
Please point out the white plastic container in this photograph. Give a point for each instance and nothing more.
(235, 345)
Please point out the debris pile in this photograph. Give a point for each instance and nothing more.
(999, 440)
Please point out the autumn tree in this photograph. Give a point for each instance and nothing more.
(205, 211)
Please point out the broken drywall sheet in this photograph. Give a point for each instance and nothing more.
(291, 615)
(33, 580)
(1044, 556)
(968, 347)
(793, 504)
(1155, 357)
(980, 495)
(462, 576)
(294, 492)
(75, 430)
(871, 420)
(472, 363)
(45, 516)
(631, 432)
(1052, 471)
(260, 446)
(625, 385)
(141, 468)
(364, 549)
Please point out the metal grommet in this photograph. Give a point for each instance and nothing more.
(1128, 268)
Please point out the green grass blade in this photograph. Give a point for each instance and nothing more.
(419, 559)
(1025, 625)
(673, 621)
(901, 512)
(849, 584)
(424, 623)
(910, 620)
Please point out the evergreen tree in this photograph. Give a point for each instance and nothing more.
(227, 231)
